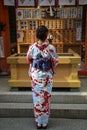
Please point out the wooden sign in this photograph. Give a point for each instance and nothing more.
(26, 3)
(66, 2)
(19, 13)
(19, 36)
(27, 13)
(78, 30)
(46, 2)
(9, 2)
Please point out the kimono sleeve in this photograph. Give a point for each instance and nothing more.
(30, 54)
(54, 56)
(54, 59)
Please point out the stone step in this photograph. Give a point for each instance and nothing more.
(57, 97)
(57, 110)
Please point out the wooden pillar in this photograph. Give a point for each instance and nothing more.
(4, 17)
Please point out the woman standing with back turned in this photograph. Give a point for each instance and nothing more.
(43, 60)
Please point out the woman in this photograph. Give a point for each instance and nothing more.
(43, 60)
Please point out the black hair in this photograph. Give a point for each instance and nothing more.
(41, 32)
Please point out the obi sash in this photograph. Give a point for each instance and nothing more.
(43, 64)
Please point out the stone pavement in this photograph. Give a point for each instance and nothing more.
(27, 123)
(54, 124)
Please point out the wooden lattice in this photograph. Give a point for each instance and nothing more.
(65, 27)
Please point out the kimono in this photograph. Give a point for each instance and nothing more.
(43, 60)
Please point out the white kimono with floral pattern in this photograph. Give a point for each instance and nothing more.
(42, 81)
